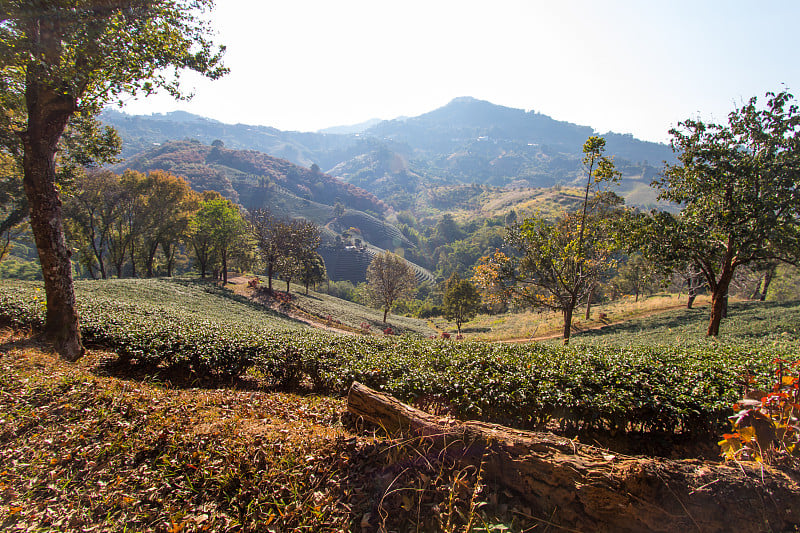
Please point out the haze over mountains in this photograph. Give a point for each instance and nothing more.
(467, 141)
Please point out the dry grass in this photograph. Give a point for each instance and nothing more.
(98, 446)
(529, 325)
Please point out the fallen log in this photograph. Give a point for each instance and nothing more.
(587, 488)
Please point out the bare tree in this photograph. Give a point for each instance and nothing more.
(389, 278)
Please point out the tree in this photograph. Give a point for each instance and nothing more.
(62, 58)
(461, 300)
(312, 269)
(288, 269)
(92, 208)
(737, 185)
(558, 264)
(273, 239)
(635, 276)
(282, 241)
(215, 229)
(300, 255)
(389, 278)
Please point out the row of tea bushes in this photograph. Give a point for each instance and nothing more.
(671, 388)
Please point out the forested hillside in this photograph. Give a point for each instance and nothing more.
(247, 176)
(467, 141)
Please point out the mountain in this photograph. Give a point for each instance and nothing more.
(248, 177)
(143, 132)
(352, 129)
(467, 141)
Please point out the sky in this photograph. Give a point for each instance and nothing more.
(637, 66)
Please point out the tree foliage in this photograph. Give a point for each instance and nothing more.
(461, 300)
(216, 228)
(557, 264)
(389, 278)
(65, 58)
(135, 223)
(284, 244)
(737, 185)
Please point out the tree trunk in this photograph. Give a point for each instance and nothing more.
(768, 275)
(567, 324)
(98, 252)
(719, 302)
(586, 488)
(270, 272)
(169, 254)
(151, 259)
(589, 303)
(385, 314)
(133, 256)
(225, 267)
(48, 113)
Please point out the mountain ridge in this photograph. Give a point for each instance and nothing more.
(463, 142)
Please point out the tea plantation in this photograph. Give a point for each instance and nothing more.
(647, 385)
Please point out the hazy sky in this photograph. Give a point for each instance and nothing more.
(635, 66)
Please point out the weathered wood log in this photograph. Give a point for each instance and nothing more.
(591, 489)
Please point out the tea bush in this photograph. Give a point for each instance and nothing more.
(686, 387)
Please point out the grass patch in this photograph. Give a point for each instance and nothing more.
(81, 450)
(526, 325)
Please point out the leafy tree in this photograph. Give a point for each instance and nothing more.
(282, 241)
(169, 204)
(389, 278)
(92, 208)
(312, 269)
(288, 269)
(558, 264)
(447, 230)
(303, 243)
(125, 236)
(62, 58)
(738, 188)
(493, 276)
(635, 276)
(215, 229)
(461, 300)
(273, 239)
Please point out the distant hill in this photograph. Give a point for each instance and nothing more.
(464, 142)
(249, 177)
(355, 128)
(256, 180)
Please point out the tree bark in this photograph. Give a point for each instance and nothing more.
(48, 114)
(719, 302)
(768, 275)
(586, 488)
(589, 303)
(567, 323)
